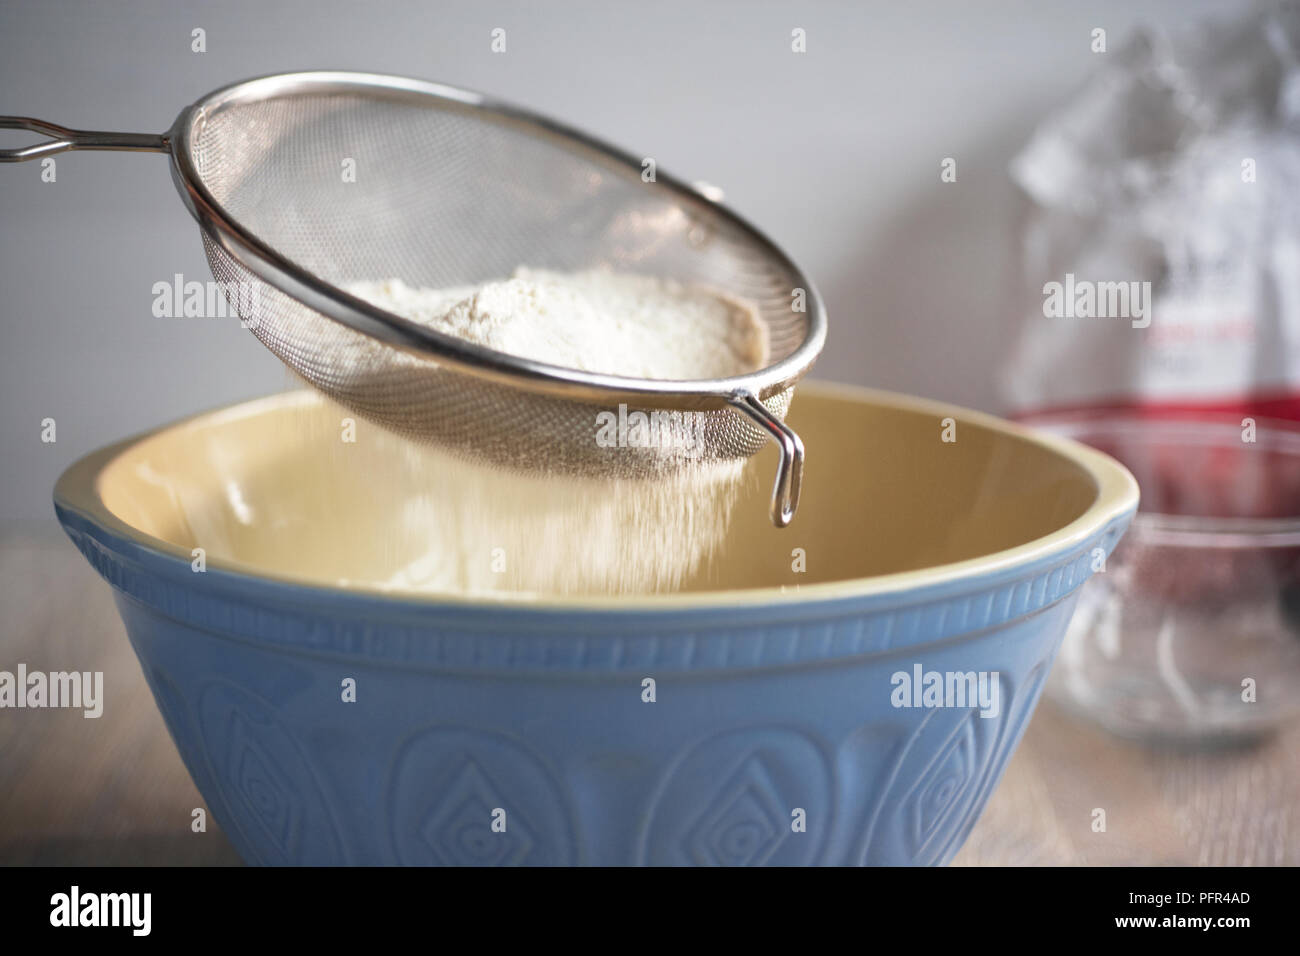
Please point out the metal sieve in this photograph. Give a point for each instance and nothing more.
(305, 182)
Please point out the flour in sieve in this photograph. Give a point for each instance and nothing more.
(594, 321)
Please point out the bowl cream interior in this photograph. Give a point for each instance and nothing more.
(883, 494)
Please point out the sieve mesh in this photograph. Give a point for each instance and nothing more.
(446, 193)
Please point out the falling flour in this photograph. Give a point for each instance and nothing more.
(465, 527)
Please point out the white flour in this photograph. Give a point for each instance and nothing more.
(465, 527)
(596, 321)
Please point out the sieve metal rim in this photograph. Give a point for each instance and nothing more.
(468, 357)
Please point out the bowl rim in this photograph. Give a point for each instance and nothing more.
(1167, 529)
(77, 491)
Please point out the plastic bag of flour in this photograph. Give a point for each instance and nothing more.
(1160, 248)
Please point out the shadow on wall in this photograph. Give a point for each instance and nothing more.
(929, 302)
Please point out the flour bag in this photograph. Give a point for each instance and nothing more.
(1160, 246)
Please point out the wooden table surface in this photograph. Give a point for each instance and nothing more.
(114, 791)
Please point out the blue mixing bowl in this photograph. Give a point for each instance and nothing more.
(856, 710)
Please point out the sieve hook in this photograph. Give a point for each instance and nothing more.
(789, 472)
(62, 138)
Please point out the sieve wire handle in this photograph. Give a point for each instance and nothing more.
(789, 473)
(61, 138)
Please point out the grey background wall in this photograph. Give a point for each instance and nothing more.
(835, 153)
